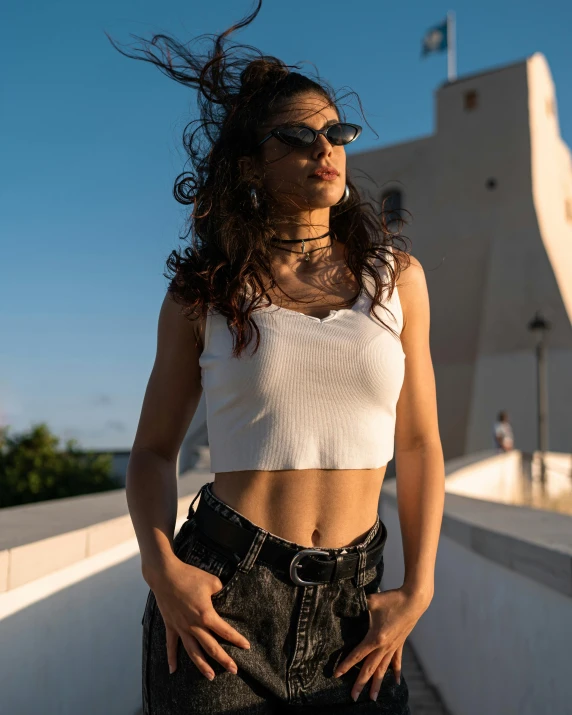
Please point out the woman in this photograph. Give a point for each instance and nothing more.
(285, 310)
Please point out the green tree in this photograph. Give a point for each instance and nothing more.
(33, 468)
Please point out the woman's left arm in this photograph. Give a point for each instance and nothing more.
(420, 468)
(420, 488)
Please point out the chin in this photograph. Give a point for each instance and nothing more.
(325, 199)
(317, 204)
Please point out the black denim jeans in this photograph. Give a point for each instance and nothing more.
(297, 635)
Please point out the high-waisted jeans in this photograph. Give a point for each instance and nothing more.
(297, 635)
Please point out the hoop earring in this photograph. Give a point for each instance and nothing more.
(345, 196)
(254, 198)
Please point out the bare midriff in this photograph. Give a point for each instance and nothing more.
(311, 507)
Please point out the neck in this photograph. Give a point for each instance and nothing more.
(307, 225)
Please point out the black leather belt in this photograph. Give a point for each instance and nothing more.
(301, 564)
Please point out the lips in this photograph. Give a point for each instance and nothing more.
(326, 173)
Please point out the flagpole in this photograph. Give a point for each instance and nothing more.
(451, 47)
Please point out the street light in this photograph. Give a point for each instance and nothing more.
(540, 326)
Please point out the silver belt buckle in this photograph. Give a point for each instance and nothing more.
(295, 563)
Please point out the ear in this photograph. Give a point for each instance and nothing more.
(246, 167)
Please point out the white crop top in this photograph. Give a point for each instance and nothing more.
(318, 393)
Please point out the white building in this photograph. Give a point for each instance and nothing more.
(490, 197)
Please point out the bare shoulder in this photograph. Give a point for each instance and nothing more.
(174, 387)
(178, 327)
(413, 293)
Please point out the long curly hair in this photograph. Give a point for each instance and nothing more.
(230, 247)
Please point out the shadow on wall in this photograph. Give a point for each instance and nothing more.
(82, 644)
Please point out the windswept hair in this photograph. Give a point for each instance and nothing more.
(238, 89)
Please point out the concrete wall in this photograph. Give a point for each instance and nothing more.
(510, 479)
(70, 618)
(71, 642)
(496, 636)
(496, 478)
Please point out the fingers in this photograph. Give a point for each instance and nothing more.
(396, 663)
(172, 641)
(185, 604)
(354, 657)
(217, 624)
(375, 667)
(197, 641)
(371, 668)
(378, 676)
(196, 655)
(211, 646)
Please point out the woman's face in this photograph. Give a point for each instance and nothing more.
(288, 172)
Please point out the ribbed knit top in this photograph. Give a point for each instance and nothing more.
(318, 393)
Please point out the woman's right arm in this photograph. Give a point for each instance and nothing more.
(183, 592)
(171, 399)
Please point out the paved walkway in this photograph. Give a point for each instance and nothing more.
(423, 697)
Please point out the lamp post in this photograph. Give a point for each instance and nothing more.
(540, 326)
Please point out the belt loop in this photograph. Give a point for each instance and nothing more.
(337, 565)
(253, 550)
(373, 531)
(198, 494)
(362, 551)
(362, 556)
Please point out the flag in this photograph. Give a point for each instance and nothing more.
(436, 39)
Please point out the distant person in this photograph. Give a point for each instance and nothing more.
(502, 433)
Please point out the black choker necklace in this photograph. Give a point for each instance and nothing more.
(298, 240)
(303, 241)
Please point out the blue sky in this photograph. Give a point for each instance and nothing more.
(91, 145)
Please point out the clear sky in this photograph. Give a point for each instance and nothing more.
(91, 145)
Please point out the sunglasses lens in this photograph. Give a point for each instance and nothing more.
(296, 136)
(340, 134)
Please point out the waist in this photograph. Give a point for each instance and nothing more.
(312, 507)
(224, 529)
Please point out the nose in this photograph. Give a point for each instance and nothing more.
(321, 147)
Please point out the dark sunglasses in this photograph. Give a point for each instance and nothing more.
(302, 136)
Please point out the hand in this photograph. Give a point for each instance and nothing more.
(183, 593)
(393, 615)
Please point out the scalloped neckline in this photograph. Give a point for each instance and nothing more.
(331, 315)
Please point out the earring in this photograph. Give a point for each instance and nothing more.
(345, 196)
(254, 198)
